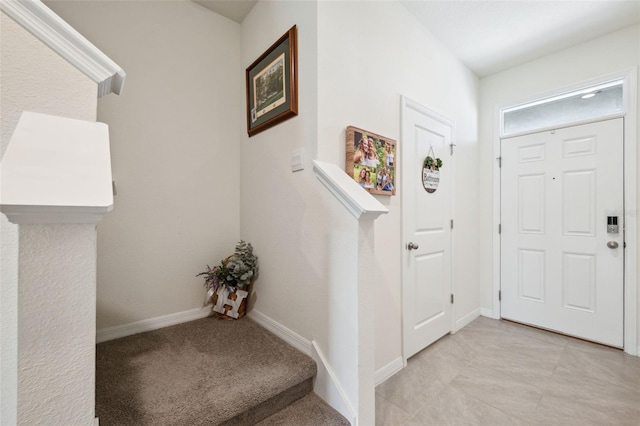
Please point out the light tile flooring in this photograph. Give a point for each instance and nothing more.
(499, 373)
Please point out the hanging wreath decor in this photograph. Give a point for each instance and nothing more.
(431, 172)
(432, 163)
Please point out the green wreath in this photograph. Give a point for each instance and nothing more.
(432, 163)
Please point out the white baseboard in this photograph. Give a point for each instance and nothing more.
(389, 370)
(488, 313)
(328, 387)
(110, 333)
(467, 319)
(289, 336)
(326, 384)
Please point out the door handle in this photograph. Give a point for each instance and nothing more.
(412, 246)
(612, 244)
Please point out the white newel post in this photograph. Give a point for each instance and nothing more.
(366, 343)
(56, 186)
(366, 209)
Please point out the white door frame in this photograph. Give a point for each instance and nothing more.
(630, 198)
(407, 103)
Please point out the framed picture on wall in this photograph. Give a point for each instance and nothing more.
(272, 85)
(372, 161)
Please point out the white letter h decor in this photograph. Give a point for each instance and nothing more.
(224, 299)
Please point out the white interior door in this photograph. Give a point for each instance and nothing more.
(427, 312)
(560, 268)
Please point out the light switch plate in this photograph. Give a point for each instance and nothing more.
(297, 160)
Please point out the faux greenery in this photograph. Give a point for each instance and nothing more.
(430, 162)
(235, 271)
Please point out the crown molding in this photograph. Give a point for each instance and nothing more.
(62, 38)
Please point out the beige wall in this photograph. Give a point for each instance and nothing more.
(32, 78)
(174, 144)
(611, 53)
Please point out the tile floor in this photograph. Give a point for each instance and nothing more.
(499, 373)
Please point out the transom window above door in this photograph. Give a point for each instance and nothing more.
(587, 103)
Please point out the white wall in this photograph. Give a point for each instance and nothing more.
(369, 54)
(280, 211)
(611, 53)
(32, 78)
(307, 241)
(175, 154)
(57, 327)
(295, 236)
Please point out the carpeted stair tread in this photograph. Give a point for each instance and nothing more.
(206, 371)
(310, 410)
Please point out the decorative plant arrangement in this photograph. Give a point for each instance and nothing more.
(228, 282)
(431, 171)
(432, 163)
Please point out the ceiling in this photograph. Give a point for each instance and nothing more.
(236, 10)
(489, 36)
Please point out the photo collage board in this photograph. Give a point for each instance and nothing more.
(371, 160)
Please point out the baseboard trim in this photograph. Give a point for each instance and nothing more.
(326, 384)
(467, 319)
(110, 333)
(488, 313)
(328, 387)
(389, 370)
(289, 336)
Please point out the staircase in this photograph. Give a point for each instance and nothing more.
(207, 372)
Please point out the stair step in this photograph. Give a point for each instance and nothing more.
(206, 371)
(271, 406)
(309, 410)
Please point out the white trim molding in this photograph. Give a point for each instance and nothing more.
(359, 202)
(63, 39)
(150, 324)
(462, 322)
(389, 370)
(488, 313)
(328, 387)
(72, 186)
(289, 336)
(326, 384)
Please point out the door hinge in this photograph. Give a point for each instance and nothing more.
(499, 162)
(451, 145)
(499, 295)
(499, 228)
(113, 188)
(451, 223)
(452, 298)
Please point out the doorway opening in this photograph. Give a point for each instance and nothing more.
(555, 113)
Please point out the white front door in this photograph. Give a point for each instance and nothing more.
(427, 312)
(560, 267)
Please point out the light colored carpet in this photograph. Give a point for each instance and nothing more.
(207, 371)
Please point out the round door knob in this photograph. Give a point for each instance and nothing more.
(412, 246)
(612, 244)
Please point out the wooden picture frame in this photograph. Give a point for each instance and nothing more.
(368, 152)
(272, 85)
